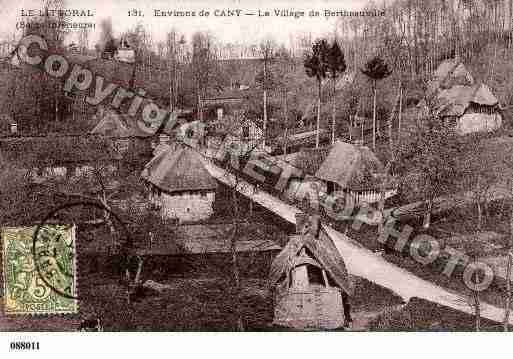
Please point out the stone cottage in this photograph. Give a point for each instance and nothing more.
(180, 185)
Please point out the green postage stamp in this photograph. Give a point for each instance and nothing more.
(41, 281)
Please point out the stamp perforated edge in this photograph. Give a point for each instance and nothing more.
(75, 310)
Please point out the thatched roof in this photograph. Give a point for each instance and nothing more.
(178, 169)
(114, 124)
(352, 167)
(299, 138)
(307, 160)
(457, 99)
(230, 94)
(452, 91)
(57, 150)
(323, 254)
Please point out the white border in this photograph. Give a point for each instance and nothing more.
(261, 345)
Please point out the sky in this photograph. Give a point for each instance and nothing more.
(245, 28)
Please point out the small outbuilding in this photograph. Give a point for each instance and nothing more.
(310, 281)
(357, 172)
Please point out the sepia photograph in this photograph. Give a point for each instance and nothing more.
(255, 166)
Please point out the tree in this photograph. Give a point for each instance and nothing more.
(431, 155)
(45, 90)
(481, 166)
(276, 78)
(267, 49)
(15, 181)
(107, 44)
(316, 65)
(336, 67)
(174, 45)
(203, 66)
(507, 301)
(83, 40)
(289, 93)
(376, 69)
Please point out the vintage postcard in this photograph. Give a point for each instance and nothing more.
(238, 165)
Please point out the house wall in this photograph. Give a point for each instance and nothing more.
(47, 173)
(300, 191)
(251, 136)
(360, 197)
(309, 308)
(306, 304)
(478, 122)
(187, 206)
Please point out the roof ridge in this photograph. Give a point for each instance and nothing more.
(173, 156)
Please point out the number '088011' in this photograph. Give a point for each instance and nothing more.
(24, 346)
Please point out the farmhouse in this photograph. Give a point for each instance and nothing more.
(473, 108)
(66, 157)
(240, 133)
(342, 167)
(459, 101)
(219, 103)
(111, 123)
(180, 185)
(356, 171)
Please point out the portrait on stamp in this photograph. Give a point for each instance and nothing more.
(39, 272)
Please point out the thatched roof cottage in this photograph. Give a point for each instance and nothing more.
(180, 184)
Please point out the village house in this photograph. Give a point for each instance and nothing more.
(124, 131)
(298, 138)
(180, 185)
(351, 169)
(239, 132)
(69, 157)
(217, 104)
(473, 108)
(460, 101)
